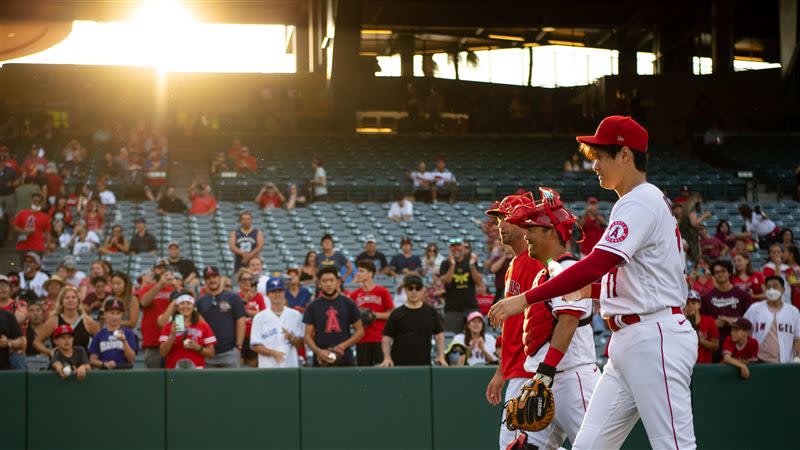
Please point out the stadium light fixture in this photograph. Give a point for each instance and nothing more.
(480, 49)
(548, 29)
(368, 53)
(376, 31)
(531, 44)
(505, 37)
(374, 130)
(749, 58)
(566, 43)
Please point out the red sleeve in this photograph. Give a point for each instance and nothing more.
(261, 304)
(728, 346)
(19, 221)
(711, 328)
(752, 350)
(571, 312)
(576, 276)
(165, 331)
(768, 272)
(208, 335)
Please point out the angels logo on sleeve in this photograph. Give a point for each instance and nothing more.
(617, 232)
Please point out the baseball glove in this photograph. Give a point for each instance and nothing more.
(533, 410)
(367, 316)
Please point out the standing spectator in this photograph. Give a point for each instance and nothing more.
(328, 320)
(725, 303)
(38, 316)
(186, 341)
(219, 165)
(224, 312)
(319, 183)
(371, 253)
(408, 331)
(53, 287)
(23, 194)
(115, 243)
(74, 277)
(480, 346)
(706, 327)
(277, 331)
(401, 209)
(792, 259)
(11, 338)
(253, 304)
(94, 301)
(270, 197)
(740, 349)
(31, 277)
(746, 279)
(378, 301)
(459, 276)
(405, 262)
(762, 228)
(16, 306)
(33, 227)
(154, 299)
(122, 288)
(330, 257)
(184, 266)
(724, 234)
(498, 261)
(115, 346)
(69, 311)
(106, 196)
(776, 267)
(245, 242)
(444, 182)
(55, 184)
(297, 296)
(60, 211)
(776, 325)
(294, 198)
(170, 203)
(787, 237)
(203, 203)
(308, 272)
(689, 223)
(245, 162)
(593, 224)
(8, 185)
(68, 358)
(423, 183)
(573, 164)
(432, 260)
(710, 246)
(256, 267)
(94, 216)
(83, 241)
(142, 241)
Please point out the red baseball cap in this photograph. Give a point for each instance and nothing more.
(618, 130)
(507, 205)
(62, 329)
(548, 212)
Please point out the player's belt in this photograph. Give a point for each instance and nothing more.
(615, 323)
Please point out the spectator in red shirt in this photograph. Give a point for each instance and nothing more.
(707, 331)
(187, 340)
(35, 160)
(724, 234)
(378, 300)
(246, 162)
(725, 303)
(746, 278)
(154, 300)
(270, 197)
(593, 224)
(34, 228)
(701, 279)
(203, 203)
(710, 246)
(55, 184)
(253, 304)
(739, 349)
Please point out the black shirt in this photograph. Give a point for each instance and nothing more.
(221, 312)
(9, 327)
(411, 330)
(332, 320)
(79, 357)
(400, 262)
(175, 206)
(379, 259)
(459, 293)
(143, 244)
(184, 266)
(7, 176)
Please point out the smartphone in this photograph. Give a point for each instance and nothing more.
(180, 324)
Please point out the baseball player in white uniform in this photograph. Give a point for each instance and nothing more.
(642, 292)
(569, 338)
(277, 330)
(775, 322)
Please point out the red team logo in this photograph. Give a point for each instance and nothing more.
(617, 232)
(332, 322)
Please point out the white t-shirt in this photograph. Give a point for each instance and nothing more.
(107, 197)
(319, 175)
(788, 326)
(644, 233)
(36, 284)
(759, 225)
(418, 177)
(476, 356)
(88, 246)
(396, 211)
(443, 177)
(268, 331)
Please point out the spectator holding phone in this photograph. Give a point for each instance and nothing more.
(154, 299)
(115, 346)
(270, 197)
(203, 203)
(187, 340)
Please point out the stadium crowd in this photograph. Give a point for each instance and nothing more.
(330, 310)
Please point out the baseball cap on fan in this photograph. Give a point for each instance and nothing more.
(618, 130)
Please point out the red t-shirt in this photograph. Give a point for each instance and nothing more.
(36, 224)
(711, 247)
(269, 201)
(150, 314)
(701, 287)
(54, 184)
(379, 300)
(485, 303)
(747, 353)
(751, 285)
(592, 232)
(202, 205)
(256, 303)
(707, 326)
(94, 222)
(519, 278)
(65, 214)
(200, 333)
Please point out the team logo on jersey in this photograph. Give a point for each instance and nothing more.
(617, 232)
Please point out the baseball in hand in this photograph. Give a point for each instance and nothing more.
(187, 343)
(67, 370)
(332, 356)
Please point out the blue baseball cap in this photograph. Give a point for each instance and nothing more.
(275, 284)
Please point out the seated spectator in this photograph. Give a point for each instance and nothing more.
(187, 340)
(115, 346)
(378, 301)
(253, 304)
(456, 355)
(115, 243)
(371, 253)
(297, 296)
(142, 241)
(573, 164)
(294, 198)
(330, 257)
(593, 224)
(725, 303)
(219, 165)
(683, 197)
(184, 266)
(155, 175)
(776, 325)
(245, 241)
(122, 288)
(480, 346)
(170, 203)
(745, 278)
(106, 196)
(73, 277)
(319, 183)
(270, 197)
(711, 247)
(405, 262)
(787, 237)
(37, 317)
(739, 349)
(68, 358)
(328, 320)
(423, 183)
(707, 331)
(245, 162)
(277, 331)
(432, 260)
(33, 227)
(59, 236)
(93, 217)
(401, 210)
(407, 335)
(224, 312)
(762, 228)
(60, 212)
(776, 267)
(724, 234)
(31, 277)
(444, 182)
(308, 272)
(83, 242)
(203, 203)
(94, 302)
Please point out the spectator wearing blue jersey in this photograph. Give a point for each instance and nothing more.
(297, 296)
(406, 262)
(115, 346)
(245, 242)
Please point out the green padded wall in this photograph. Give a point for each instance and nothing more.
(366, 408)
(107, 410)
(13, 412)
(227, 409)
(462, 418)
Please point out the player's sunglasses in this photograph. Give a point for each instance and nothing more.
(414, 287)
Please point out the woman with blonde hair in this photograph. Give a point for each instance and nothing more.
(69, 310)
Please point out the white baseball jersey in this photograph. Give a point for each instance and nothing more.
(268, 331)
(644, 233)
(581, 348)
(788, 318)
